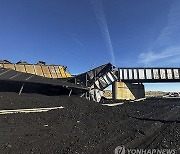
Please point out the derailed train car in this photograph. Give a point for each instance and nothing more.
(54, 79)
(40, 69)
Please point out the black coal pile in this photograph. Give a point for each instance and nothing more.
(83, 126)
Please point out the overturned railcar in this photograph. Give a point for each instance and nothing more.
(55, 80)
(39, 69)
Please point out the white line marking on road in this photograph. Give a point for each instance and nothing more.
(29, 110)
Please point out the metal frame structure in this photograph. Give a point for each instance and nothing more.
(148, 75)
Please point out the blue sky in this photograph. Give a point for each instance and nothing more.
(86, 33)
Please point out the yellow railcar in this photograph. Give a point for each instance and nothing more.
(48, 71)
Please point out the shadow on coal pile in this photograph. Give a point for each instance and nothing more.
(158, 120)
(28, 87)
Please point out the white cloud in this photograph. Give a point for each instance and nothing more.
(173, 25)
(100, 15)
(164, 47)
(170, 55)
(78, 41)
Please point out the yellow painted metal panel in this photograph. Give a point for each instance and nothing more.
(38, 70)
(58, 71)
(67, 74)
(52, 71)
(30, 69)
(10, 66)
(63, 73)
(20, 68)
(46, 71)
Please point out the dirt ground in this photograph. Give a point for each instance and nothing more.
(83, 126)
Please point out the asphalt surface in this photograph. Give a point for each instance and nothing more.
(83, 126)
